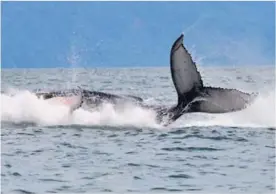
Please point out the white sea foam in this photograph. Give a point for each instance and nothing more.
(261, 113)
(23, 106)
(26, 107)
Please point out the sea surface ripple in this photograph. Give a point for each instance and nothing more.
(46, 150)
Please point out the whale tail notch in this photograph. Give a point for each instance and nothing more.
(192, 95)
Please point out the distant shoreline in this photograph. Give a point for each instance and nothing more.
(138, 67)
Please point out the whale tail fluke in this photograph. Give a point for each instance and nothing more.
(186, 78)
(192, 95)
(220, 100)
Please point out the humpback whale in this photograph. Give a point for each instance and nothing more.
(192, 95)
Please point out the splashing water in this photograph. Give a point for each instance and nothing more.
(43, 145)
(261, 113)
(25, 107)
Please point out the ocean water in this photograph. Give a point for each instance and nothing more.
(45, 149)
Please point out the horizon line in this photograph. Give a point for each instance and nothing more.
(135, 67)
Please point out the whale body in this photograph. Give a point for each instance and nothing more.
(192, 95)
